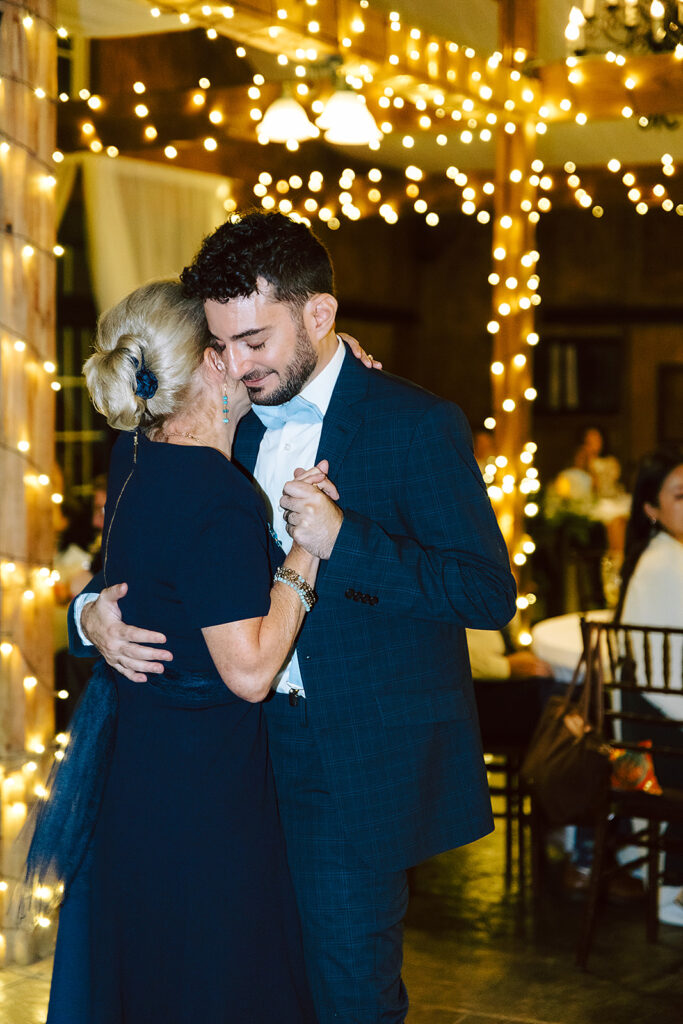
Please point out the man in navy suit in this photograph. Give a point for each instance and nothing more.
(373, 728)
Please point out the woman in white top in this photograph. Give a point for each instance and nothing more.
(652, 595)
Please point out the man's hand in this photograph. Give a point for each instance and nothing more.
(524, 663)
(121, 645)
(313, 520)
(318, 476)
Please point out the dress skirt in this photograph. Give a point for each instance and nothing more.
(186, 897)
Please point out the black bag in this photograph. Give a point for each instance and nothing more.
(567, 765)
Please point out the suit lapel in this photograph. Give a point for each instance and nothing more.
(247, 440)
(343, 417)
(342, 420)
(340, 425)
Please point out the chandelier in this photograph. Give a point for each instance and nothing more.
(639, 26)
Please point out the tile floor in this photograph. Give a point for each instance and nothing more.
(474, 956)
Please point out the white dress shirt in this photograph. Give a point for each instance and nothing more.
(281, 451)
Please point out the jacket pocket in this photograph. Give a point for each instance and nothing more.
(407, 708)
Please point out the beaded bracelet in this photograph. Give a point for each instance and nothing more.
(292, 579)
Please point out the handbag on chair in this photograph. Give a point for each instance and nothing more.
(567, 765)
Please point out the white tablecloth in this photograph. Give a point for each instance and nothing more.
(558, 641)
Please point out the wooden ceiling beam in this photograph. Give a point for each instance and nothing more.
(406, 58)
(419, 65)
(598, 87)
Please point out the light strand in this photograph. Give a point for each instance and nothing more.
(12, 141)
(33, 245)
(61, 32)
(37, 90)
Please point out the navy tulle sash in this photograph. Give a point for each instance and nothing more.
(60, 827)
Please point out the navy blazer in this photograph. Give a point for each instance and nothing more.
(383, 654)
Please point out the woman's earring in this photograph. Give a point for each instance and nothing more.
(226, 418)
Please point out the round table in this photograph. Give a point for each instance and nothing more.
(558, 641)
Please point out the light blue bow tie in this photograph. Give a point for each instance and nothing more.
(297, 410)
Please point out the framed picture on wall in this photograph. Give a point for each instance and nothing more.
(670, 403)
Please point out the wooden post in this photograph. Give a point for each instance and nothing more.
(27, 352)
(514, 291)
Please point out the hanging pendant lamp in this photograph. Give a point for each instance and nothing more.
(347, 121)
(285, 120)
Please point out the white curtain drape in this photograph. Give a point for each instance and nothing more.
(143, 220)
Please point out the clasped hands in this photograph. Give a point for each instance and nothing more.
(310, 511)
(313, 521)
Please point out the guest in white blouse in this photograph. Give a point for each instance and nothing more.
(652, 595)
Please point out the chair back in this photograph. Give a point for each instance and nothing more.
(630, 661)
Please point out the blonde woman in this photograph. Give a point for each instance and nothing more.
(184, 910)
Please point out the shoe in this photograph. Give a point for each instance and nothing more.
(624, 888)
(671, 905)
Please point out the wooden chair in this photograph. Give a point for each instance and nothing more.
(508, 712)
(636, 661)
(504, 762)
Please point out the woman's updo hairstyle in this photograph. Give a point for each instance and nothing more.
(146, 351)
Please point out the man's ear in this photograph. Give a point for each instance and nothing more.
(319, 314)
(213, 361)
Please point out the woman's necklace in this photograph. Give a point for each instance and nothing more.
(192, 437)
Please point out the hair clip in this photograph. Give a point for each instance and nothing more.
(147, 381)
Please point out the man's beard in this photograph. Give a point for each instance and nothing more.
(294, 376)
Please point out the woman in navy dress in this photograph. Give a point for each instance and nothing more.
(179, 906)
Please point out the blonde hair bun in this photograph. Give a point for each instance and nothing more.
(156, 333)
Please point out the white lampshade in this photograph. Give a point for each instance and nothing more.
(286, 120)
(347, 121)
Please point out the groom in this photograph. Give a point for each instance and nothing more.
(373, 729)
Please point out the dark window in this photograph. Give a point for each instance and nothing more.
(579, 375)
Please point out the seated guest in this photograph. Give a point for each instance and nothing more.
(493, 656)
(592, 485)
(652, 595)
(507, 715)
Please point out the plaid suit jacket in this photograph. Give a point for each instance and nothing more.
(383, 653)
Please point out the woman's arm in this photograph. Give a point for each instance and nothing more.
(248, 654)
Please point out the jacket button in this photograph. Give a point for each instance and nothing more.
(349, 593)
(374, 599)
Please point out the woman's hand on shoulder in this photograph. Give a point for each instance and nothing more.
(359, 352)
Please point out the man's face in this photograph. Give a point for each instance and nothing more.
(266, 345)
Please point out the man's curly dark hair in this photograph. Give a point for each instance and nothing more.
(257, 245)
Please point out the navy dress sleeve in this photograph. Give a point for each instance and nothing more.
(225, 574)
